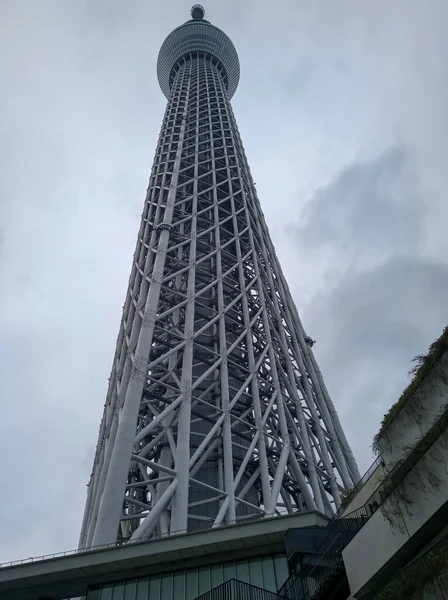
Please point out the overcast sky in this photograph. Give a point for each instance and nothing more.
(342, 109)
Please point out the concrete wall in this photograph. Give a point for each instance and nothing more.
(422, 492)
(370, 549)
(416, 417)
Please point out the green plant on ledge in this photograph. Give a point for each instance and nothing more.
(415, 581)
(425, 364)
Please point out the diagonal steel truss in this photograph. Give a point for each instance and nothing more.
(216, 410)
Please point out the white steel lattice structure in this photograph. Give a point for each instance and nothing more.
(216, 410)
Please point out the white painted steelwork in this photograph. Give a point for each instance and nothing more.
(216, 411)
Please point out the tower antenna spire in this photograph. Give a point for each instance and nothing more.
(197, 12)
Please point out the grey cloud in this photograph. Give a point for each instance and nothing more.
(79, 119)
(380, 301)
(368, 328)
(371, 209)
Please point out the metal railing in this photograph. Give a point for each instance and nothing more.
(344, 528)
(317, 569)
(113, 545)
(424, 567)
(377, 498)
(351, 495)
(234, 589)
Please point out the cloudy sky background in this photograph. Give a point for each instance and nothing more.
(342, 109)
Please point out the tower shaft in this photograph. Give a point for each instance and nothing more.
(216, 411)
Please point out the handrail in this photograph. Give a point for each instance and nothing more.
(112, 545)
(373, 503)
(350, 524)
(235, 589)
(345, 527)
(435, 556)
(367, 475)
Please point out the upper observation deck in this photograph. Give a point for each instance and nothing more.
(197, 36)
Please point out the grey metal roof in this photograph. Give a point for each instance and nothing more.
(197, 36)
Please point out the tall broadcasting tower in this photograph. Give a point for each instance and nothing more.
(216, 410)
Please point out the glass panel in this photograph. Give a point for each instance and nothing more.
(154, 587)
(216, 575)
(142, 589)
(269, 572)
(204, 579)
(94, 594)
(179, 585)
(106, 591)
(118, 591)
(192, 584)
(229, 571)
(269, 582)
(281, 569)
(255, 572)
(130, 590)
(242, 571)
(167, 587)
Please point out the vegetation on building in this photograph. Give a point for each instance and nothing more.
(425, 363)
(412, 582)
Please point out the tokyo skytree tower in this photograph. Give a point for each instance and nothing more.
(216, 411)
